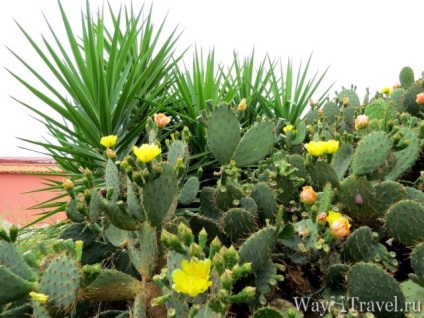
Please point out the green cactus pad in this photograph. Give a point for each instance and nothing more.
(134, 203)
(227, 195)
(211, 226)
(325, 198)
(265, 200)
(396, 99)
(311, 117)
(223, 133)
(96, 252)
(112, 179)
(348, 123)
(360, 246)
(353, 97)
(178, 149)
(72, 212)
(331, 111)
(297, 161)
(405, 221)
(255, 144)
(249, 205)
(112, 285)
(96, 206)
(267, 312)
(335, 276)
(380, 109)
(13, 286)
(61, 282)
(306, 234)
(410, 99)
(263, 278)
(301, 132)
(406, 157)
(406, 77)
(417, 263)
(350, 189)
(238, 223)
(342, 159)
(322, 173)
(78, 232)
(208, 204)
(258, 247)
(119, 218)
(11, 258)
(149, 250)
(189, 191)
(372, 284)
(39, 310)
(116, 236)
(414, 294)
(388, 193)
(415, 195)
(24, 310)
(371, 154)
(158, 195)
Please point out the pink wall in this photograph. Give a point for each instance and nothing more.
(14, 202)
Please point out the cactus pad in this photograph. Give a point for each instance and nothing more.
(223, 133)
(13, 286)
(265, 200)
(255, 144)
(342, 159)
(406, 77)
(372, 153)
(11, 258)
(405, 221)
(238, 223)
(189, 191)
(372, 284)
(322, 173)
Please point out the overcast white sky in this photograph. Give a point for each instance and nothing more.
(364, 42)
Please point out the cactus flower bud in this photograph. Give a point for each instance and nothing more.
(194, 249)
(172, 242)
(161, 300)
(231, 256)
(311, 102)
(185, 234)
(241, 271)
(68, 184)
(214, 247)
(41, 298)
(161, 120)
(420, 99)
(203, 237)
(308, 196)
(226, 280)
(110, 153)
(109, 141)
(218, 262)
(340, 228)
(361, 122)
(345, 101)
(320, 112)
(242, 106)
(322, 218)
(78, 248)
(247, 294)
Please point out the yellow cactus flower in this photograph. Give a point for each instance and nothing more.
(146, 153)
(109, 141)
(41, 298)
(288, 128)
(386, 90)
(193, 278)
(331, 146)
(316, 148)
(333, 216)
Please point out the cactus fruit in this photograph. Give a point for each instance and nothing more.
(405, 222)
(353, 99)
(365, 281)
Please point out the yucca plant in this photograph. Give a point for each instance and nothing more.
(288, 93)
(109, 76)
(112, 77)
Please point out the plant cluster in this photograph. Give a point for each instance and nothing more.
(223, 202)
